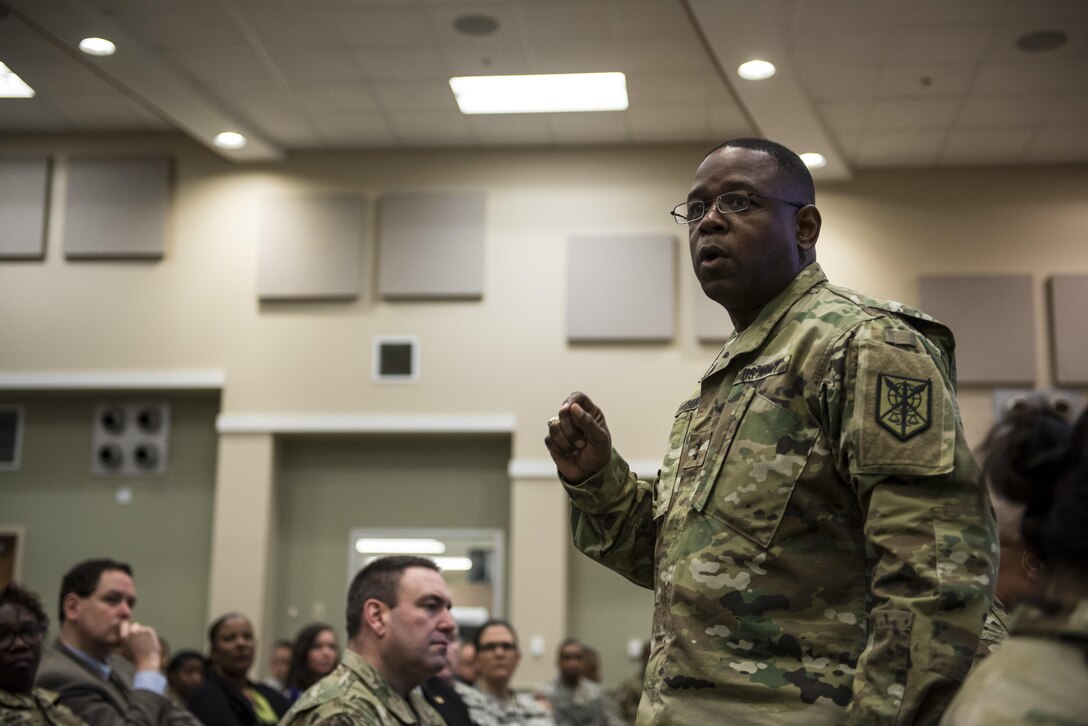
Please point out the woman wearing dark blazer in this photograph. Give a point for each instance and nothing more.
(228, 697)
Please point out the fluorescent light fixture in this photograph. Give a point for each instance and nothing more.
(97, 46)
(554, 93)
(756, 70)
(453, 564)
(399, 546)
(813, 160)
(11, 86)
(230, 140)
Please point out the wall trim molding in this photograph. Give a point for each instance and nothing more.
(545, 469)
(194, 379)
(286, 423)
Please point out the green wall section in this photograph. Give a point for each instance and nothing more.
(70, 515)
(329, 486)
(606, 610)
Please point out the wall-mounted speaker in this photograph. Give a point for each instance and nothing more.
(130, 438)
(396, 359)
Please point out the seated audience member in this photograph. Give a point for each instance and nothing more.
(316, 653)
(464, 666)
(1021, 571)
(399, 628)
(629, 693)
(492, 702)
(227, 697)
(185, 675)
(279, 664)
(1040, 674)
(22, 629)
(576, 700)
(440, 693)
(105, 666)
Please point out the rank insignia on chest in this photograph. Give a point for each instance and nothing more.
(903, 405)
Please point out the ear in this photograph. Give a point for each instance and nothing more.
(808, 222)
(1033, 566)
(71, 605)
(375, 616)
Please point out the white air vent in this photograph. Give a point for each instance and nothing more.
(11, 437)
(396, 359)
(130, 438)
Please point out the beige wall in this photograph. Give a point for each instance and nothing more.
(507, 353)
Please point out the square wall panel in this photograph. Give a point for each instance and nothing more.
(1068, 301)
(620, 288)
(431, 245)
(24, 195)
(117, 208)
(993, 319)
(310, 246)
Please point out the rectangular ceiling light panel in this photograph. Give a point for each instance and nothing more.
(555, 93)
(11, 86)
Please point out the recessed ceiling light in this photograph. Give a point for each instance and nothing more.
(554, 93)
(476, 24)
(756, 70)
(1041, 40)
(97, 46)
(814, 160)
(230, 140)
(11, 86)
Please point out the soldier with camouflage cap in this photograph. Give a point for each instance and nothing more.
(399, 626)
(818, 541)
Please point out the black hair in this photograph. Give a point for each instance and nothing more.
(18, 596)
(82, 580)
(182, 657)
(300, 676)
(1035, 458)
(379, 581)
(790, 167)
(494, 622)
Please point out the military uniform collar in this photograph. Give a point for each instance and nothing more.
(752, 337)
(369, 675)
(1051, 619)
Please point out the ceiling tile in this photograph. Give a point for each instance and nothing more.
(641, 19)
(899, 148)
(925, 80)
(1058, 144)
(939, 44)
(1021, 78)
(984, 146)
(827, 81)
(225, 67)
(410, 62)
(931, 12)
(171, 26)
(434, 128)
(435, 95)
(321, 97)
(917, 114)
(666, 54)
(664, 88)
(979, 111)
(1069, 111)
(568, 21)
(366, 127)
(316, 65)
(510, 129)
(727, 121)
(845, 116)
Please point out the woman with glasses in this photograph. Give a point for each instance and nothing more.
(22, 629)
(493, 702)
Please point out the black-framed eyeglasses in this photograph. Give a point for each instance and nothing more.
(488, 647)
(728, 203)
(30, 636)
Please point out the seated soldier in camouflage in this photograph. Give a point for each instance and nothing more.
(22, 629)
(492, 702)
(399, 626)
(819, 543)
(1040, 674)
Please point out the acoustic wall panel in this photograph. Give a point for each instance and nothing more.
(712, 322)
(309, 247)
(117, 208)
(431, 245)
(993, 319)
(1068, 303)
(24, 196)
(620, 288)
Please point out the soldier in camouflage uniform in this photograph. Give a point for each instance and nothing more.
(399, 626)
(818, 541)
(22, 629)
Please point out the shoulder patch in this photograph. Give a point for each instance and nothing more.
(904, 406)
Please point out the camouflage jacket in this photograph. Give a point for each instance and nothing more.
(521, 709)
(1039, 676)
(39, 708)
(355, 694)
(994, 631)
(584, 705)
(818, 542)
